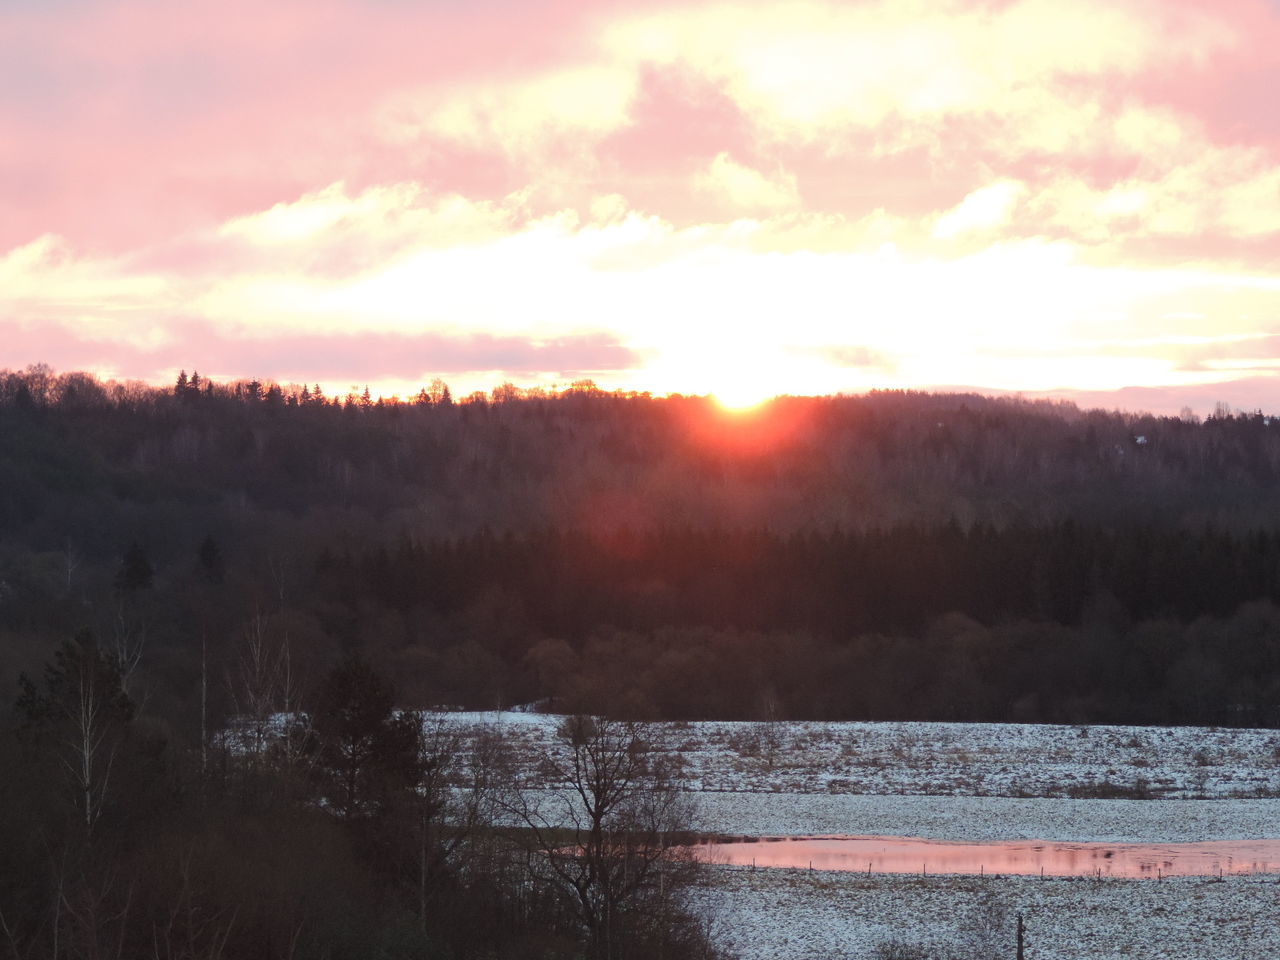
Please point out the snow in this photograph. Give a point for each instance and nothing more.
(976, 782)
(946, 759)
(990, 819)
(817, 915)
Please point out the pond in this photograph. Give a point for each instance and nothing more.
(1022, 857)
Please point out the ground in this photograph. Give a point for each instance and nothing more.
(980, 782)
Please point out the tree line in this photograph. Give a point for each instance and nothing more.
(77, 448)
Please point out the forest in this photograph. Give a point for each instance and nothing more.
(896, 555)
(179, 562)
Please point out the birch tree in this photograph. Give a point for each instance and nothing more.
(82, 711)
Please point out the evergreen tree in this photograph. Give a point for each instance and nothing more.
(210, 557)
(367, 754)
(135, 571)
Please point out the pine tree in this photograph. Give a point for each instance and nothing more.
(210, 557)
(366, 752)
(135, 571)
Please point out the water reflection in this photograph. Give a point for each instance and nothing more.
(1029, 858)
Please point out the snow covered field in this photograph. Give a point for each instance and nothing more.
(980, 782)
(947, 759)
(803, 915)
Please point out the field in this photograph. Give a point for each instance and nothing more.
(978, 782)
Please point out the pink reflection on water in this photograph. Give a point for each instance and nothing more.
(1025, 857)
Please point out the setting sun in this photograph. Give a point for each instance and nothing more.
(741, 396)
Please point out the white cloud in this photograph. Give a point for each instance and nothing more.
(745, 190)
(521, 116)
(983, 210)
(1219, 193)
(803, 69)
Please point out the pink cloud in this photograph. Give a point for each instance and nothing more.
(365, 356)
(139, 119)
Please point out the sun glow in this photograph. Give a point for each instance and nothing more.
(741, 397)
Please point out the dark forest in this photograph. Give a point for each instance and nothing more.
(888, 556)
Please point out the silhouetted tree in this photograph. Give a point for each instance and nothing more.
(135, 572)
(210, 560)
(80, 711)
(608, 839)
(366, 753)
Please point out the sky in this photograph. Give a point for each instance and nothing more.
(1072, 198)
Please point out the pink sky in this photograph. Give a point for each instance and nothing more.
(1078, 197)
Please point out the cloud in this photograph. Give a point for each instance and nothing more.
(374, 356)
(523, 118)
(983, 210)
(744, 190)
(858, 357)
(657, 305)
(805, 69)
(1220, 194)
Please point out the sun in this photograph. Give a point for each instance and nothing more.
(738, 377)
(740, 397)
(744, 378)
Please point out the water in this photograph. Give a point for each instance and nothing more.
(1024, 857)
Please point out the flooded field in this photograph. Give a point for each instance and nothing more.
(1021, 858)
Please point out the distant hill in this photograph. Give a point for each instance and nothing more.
(458, 542)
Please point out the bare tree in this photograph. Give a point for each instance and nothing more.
(609, 834)
(458, 793)
(189, 929)
(258, 682)
(72, 557)
(128, 641)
